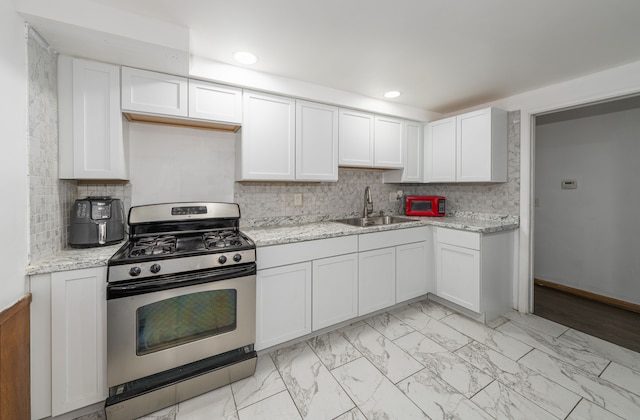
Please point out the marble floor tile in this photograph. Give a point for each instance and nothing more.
(354, 414)
(265, 382)
(586, 410)
(217, 404)
(597, 390)
(445, 366)
(609, 351)
(389, 326)
(496, 340)
(542, 325)
(392, 361)
(570, 352)
(623, 377)
(432, 309)
(533, 386)
(314, 390)
(444, 335)
(496, 322)
(502, 402)
(333, 349)
(279, 406)
(439, 400)
(374, 394)
(457, 372)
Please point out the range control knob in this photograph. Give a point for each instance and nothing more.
(135, 271)
(222, 259)
(154, 268)
(237, 257)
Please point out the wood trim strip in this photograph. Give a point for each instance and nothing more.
(15, 376)
(15, 308)
(589, 295)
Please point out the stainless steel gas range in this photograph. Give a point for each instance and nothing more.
(180, 306)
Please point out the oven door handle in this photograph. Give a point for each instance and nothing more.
(158, 284)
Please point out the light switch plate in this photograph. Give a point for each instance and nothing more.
(297, 199)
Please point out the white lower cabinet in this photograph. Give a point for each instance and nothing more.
(68, 341)
(335, 290)
(376, 280)
(283, 304)
(412, 277)
(474, 270)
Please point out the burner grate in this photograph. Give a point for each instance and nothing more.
(154, 245)
(225, 239)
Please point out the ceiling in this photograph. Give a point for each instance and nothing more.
(442, 55)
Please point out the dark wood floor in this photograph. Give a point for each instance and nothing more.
(613, 324)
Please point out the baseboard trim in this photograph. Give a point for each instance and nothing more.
(589, 295)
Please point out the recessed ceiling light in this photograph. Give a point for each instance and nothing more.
(392, 94)
(245, 57)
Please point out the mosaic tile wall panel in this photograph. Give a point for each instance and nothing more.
(50, 198)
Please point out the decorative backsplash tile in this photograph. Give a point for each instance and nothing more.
(50, 198)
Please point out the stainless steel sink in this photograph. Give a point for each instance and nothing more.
(374, 221)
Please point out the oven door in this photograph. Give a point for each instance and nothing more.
(158, 324)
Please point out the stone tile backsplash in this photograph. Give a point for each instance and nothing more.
(50, 198)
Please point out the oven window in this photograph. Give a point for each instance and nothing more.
(183, 319)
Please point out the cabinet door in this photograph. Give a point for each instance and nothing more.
(376, 280)
(316, 142)
(414, 153)
(440, 151)
(389, 143)
(283, 304)
(335, 290)
(411, 271)
(458, 275)
(356, 138)
(267, 144)
(91, 142)
(473, 142)
(78, 339)
(154, 93)
(208, 101)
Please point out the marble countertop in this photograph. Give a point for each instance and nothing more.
(73, 259)
(278, 235)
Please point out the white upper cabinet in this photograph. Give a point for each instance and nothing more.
(356, 138)
(371, 141)
(266, 142)
(316, 142)
(471, 147)
(208, 101)
(91, 141)
(481, 141)
(440, 151)
(413, 157)
(154, 93)
(389, 143)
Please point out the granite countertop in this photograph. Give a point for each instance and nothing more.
(73, 259)
(278, 235)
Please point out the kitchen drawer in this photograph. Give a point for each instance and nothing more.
(460, 238)
(377, 240)
(277, 255)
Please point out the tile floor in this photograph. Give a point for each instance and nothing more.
(425, 361)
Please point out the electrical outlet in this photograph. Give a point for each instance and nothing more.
(297, 199)
(392, 197)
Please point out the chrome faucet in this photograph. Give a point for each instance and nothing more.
(368, 203)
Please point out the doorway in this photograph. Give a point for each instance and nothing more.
(585, 205)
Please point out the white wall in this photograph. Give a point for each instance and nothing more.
(200, 167)
(14, 188)
(587, 238)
